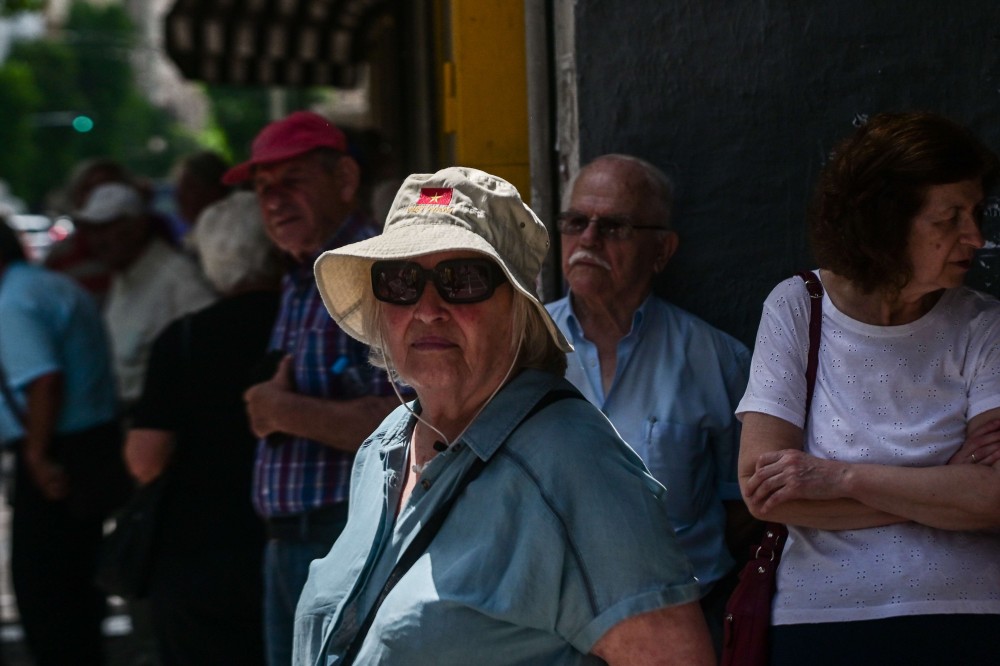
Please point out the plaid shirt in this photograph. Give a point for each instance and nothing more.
(294, 475)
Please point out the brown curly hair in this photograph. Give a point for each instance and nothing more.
(874, 185)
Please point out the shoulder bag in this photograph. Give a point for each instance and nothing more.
(747, 623)
(127, 552)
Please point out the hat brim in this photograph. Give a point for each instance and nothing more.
(343, 275)
(244, 171)
(238, 173)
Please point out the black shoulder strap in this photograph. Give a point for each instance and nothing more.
(431, 527)
(815, 288)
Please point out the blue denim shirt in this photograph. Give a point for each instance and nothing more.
(676, 387)
(562, 536)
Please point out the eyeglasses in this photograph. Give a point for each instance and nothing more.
(457, 280)
(610, 228)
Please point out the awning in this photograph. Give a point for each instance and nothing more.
(271, 42)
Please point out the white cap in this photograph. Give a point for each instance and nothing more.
(109, 202)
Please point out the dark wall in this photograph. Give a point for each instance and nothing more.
(741, 102)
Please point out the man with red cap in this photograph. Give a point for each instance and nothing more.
(325, 398)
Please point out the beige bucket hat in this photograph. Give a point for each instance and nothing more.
(454, 209)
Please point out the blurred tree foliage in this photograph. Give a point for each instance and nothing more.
(8, 7)
(85, 71)
(242, 111)
(19, 95)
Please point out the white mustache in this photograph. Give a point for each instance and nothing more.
(581, 255)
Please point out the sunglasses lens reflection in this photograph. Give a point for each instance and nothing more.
(456, 280)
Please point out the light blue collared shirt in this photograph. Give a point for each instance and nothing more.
(49, 324)
(562, 536)
(676, 387)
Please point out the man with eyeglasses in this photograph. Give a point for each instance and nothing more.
(325, 398)
(668, 381)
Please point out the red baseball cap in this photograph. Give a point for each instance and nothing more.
(284, 139)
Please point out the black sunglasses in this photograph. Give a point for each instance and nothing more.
(572, 223)
(456, 280)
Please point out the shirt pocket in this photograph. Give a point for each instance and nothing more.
(676, 457)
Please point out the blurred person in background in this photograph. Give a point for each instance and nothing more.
(153, 284)
(197, 185)
(73, 255)
(58, 411)
(325, 397)
(206, 586)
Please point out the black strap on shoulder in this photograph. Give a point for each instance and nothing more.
(815, 288)
(431, 527)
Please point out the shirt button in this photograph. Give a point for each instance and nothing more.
(425, 484)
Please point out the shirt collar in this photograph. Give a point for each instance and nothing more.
(495, 423)
(576, 331)
(507, 410)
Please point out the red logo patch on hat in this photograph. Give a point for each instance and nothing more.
(436, 196)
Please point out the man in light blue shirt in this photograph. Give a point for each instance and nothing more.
(61, 420)
(668, 381)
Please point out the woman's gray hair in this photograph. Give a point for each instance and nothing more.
(232, 246)
(537, 348)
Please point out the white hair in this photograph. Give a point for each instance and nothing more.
(657, 185)
(232, 246)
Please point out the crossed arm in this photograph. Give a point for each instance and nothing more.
(782, 483)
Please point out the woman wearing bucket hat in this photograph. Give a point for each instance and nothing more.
(499, 518)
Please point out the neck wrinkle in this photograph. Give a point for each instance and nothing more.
(603, 323)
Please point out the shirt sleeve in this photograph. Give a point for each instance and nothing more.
(607, 523)
(777, 384)
(31, 342)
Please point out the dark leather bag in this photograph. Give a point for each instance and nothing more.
(748, 611)
(127, 551)
(747, 623)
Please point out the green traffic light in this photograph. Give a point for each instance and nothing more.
(83, 124)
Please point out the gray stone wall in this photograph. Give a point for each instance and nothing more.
(740, 102)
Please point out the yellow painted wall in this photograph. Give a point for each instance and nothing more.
(484, 111)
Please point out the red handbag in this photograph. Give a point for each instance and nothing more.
(747, 623)
(748, 611)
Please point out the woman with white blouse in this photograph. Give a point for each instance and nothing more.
(890, 485)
